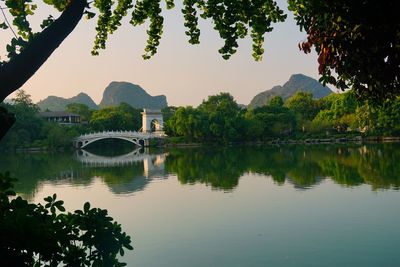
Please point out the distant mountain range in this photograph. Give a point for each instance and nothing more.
(118, 92)
(114, 94)
(132, 94)
(55, 103)
(297, 82)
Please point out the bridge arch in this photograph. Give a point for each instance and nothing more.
(137, 138)
(135, 141)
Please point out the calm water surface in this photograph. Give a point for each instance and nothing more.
(239, 206)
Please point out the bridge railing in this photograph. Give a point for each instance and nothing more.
(124, 133)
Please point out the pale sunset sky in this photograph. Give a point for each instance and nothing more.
(186, 74)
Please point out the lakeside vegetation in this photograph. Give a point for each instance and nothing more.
(47, 235)
(32, 131)
(221, 119)
(218, 119)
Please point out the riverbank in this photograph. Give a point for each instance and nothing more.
(181, 142)
(333, 140)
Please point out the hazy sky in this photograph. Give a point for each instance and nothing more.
(186, 74)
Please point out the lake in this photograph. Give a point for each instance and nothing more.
(319, 205)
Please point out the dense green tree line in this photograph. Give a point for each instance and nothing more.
(30, 130)
(219, 118)
(123, 117)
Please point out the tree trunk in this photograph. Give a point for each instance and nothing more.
(7, 120)
(19, 69)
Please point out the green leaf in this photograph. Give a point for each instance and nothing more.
(90, 15)
(3, 26)
(86, 207)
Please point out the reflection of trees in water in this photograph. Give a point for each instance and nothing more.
(379, 166)
(32, 170)
(221, 168)
(302, 166)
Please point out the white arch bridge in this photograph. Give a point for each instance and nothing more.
(137, 138)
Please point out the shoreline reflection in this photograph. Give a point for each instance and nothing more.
(303, 167)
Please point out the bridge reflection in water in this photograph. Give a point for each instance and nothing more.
(153, 164)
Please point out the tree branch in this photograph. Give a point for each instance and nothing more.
(18, 70)
(7, 22)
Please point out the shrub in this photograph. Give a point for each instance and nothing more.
(37, 235)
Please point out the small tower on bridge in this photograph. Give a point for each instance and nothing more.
(152, 121)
